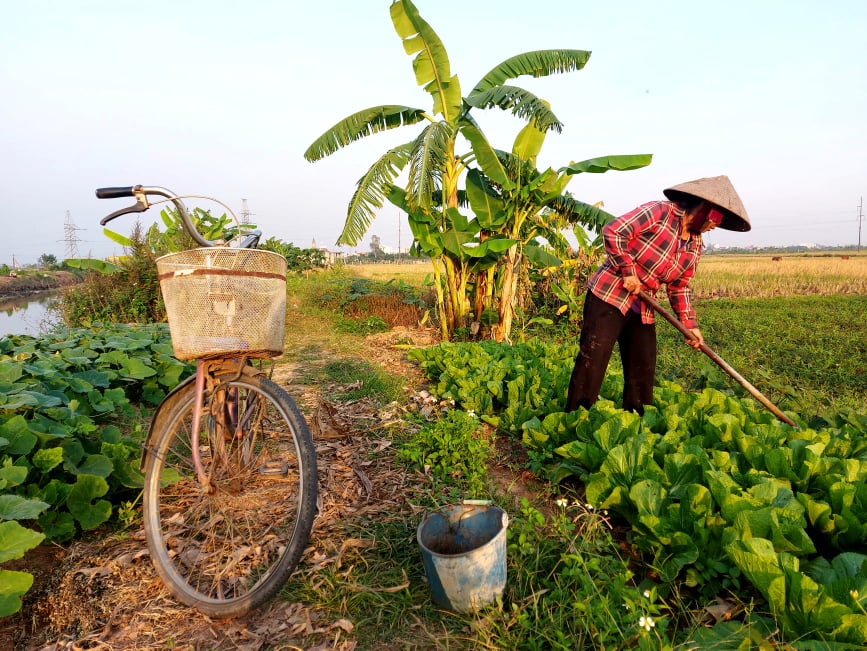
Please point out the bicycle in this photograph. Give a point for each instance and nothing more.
(230, 486)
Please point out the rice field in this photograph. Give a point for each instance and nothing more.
(765, 275)
(721, 275)
(412, 273)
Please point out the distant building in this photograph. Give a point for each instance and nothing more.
(331, 257)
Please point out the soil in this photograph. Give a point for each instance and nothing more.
(103, 593)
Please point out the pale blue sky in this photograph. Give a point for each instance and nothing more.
(222, 99)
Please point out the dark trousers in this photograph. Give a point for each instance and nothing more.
(603, 325)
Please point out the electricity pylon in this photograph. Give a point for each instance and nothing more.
(245, 212)
(70, 237)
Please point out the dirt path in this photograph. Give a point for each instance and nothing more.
(103, 593)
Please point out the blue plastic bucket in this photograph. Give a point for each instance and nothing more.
(464, 553)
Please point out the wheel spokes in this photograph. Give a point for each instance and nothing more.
(225, 537)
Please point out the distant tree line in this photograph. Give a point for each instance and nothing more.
(797, 248)
(45, 262)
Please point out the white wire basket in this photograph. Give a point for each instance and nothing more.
(222, 301)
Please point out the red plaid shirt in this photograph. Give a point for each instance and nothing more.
(646, 242)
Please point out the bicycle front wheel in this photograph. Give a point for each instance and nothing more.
(227, 545)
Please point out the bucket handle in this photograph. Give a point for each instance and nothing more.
(504, 521)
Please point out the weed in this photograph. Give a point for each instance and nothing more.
(454, 451)
(129, 295)
(362, 325)
(128, 513)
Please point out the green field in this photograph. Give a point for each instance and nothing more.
(806, 353)
(714, 500)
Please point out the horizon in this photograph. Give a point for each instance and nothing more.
(710, 249)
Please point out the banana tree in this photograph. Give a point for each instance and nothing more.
(534, 204)
(459, 243)
(431, 160)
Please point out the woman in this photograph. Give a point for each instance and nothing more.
(657, 243)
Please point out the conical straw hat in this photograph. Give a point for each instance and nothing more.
(720, 191)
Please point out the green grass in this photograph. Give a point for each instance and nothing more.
(378, 583)
(807, 354)
(365, 380)
(568, 587)
(455, 451)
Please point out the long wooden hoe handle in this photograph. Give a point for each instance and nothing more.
(758, 395)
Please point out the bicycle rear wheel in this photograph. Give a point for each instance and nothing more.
(227, 547)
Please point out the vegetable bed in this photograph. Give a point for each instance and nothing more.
(718, 495)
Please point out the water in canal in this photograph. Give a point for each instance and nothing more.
(28, 315)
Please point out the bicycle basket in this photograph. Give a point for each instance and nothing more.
(221, 301)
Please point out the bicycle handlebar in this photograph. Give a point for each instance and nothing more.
(114, 193)
(141, 193)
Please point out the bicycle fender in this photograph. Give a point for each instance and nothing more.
(162, 412)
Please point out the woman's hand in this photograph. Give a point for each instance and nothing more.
(631, 284)
(697, 341)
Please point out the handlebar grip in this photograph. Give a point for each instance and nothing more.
(114, 193)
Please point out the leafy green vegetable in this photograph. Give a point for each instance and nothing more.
(714, 488)
(12, 586)
(83, 503)
(61, 461)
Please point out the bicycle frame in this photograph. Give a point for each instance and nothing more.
(221, 370)
(205, 369)
(233, 369)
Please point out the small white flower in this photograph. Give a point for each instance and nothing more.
(562, 503)
(647, 594)
(471, 413)
(646, 623)
(589, 507)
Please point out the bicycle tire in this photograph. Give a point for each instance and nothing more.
(228, 549)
